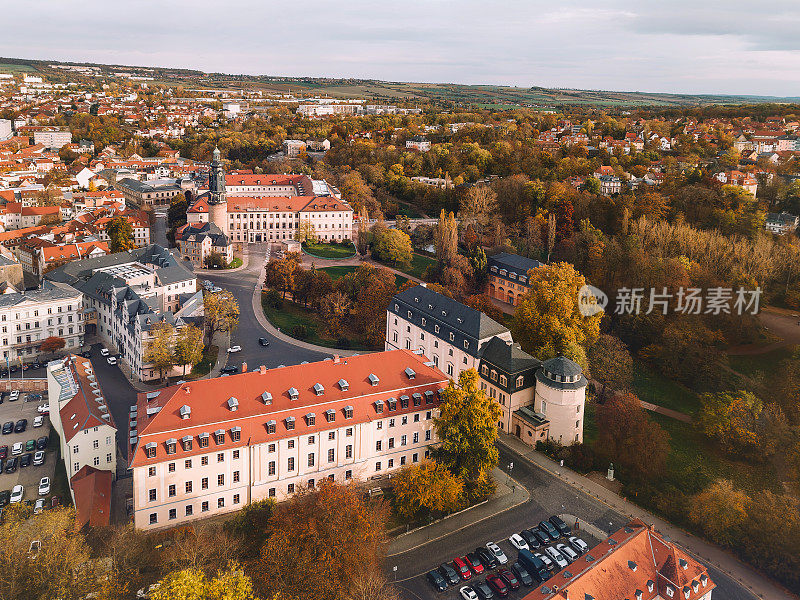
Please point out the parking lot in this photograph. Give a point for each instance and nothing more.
(420, 588)
(28, 476)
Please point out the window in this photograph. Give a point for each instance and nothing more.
(378, 466)
(204, 506)
(348, 474)
(484, 370)
(428, 416)
(271, 468)
(188, 487)
(236, 477)
(391, 464)
(348, 432)
(271, 493)
(271, 448)
(96, 444)
(378, 446)
(520, 381)
(290, 464)
(310, 439)
(503, 380)
(171, 490)
(220, 457)
(171, 467)
(403, 440)
(236, 498)
(348, 451)
(290, 444)
(379, 425)
(311, 459)
(416, 417)
(404, 420)
(152, 495)
(236, 434)
(219, 437)
(416, 437)
(220, 502)
(427, 435)
(189, 510)
(173, 514)
(220, 480)
(235, 455)
(544, 407)
(391, 423)
(415, 457)
(149, 452)
(331, 455)
(204, 461)
(450, 369)
(151, 472)
(153, 518)
(202, 440)
(290, 488)
(204, 483)
(332, 435)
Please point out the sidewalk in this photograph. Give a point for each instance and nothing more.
(712, 555)
(505, 498)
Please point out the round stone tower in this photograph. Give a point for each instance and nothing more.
(561, 397)
(217, 197)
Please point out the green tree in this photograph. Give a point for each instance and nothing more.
(159, 351)
(393, 246)
(731, 419)
(547, 321)
(426, 489)
(214, 260)
(120, 234)
(189, 346)
(467, 428)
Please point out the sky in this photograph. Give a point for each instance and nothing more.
(673, 46)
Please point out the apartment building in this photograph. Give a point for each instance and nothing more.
(152, 193)
(127, 294)
(212, 446)
(28, 318)
(52, 138)
(508, 276)
(197, 241)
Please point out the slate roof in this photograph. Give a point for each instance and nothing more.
(510, 357)
(48, 291)
(513, 263)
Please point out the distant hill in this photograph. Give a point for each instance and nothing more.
(487, 96)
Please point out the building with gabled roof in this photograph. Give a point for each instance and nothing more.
(211, 446)
(197, 241)
(91, 494)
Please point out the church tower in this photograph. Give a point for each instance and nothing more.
(217, 197)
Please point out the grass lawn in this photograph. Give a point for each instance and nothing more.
(339, 272)
(206, 363)
(418, 265)
(653, 387)
(291, 315)
(768, 363)
(235, 263)
(321, 250)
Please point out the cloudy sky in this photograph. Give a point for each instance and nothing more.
(691, 46)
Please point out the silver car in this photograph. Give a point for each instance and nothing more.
(557, 557)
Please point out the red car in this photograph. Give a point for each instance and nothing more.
(3, 452)
(474, 563)
(498, 585)
(509, 578)
(461, 568)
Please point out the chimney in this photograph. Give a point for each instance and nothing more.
(244, 367)
(336, 359)
(262, 369)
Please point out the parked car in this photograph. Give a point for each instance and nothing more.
(535, 566)
(578, 545)
(467, 593)
(11, 465)
(38, 458)
(16, 449)
(567, 552)
(36, 365)
(87, 354)
(25, 460)
(30, 446)
(20, 425)
(38, 421)
(498, 553)
(483, 590)
(473, 562)
(556, 557)
(14, 396)
(104, 352)
(44, 486)
(530, 538)
(545, 559)
(518, 542)
(112, 360)
(547, 527)
(43, 409)
(227, 370)
(42, 442)
(559, 524)
(4, 497)
(34, 397)
(263, 341)
(460, 565)
(3, 451)
(522, 574)
(449, 573)
(508, 578)
(436, 580)
(8, 427)
(498, 586)
(543, 538)
(17, 493)
(38, 507)
(235, 349)
(487, 558)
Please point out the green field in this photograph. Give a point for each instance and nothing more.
(418, 265)
(9, 68)
(341, 271)
(766, 365)
(330, 251)
(653, 387)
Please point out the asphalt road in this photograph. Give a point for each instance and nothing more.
(549, 496)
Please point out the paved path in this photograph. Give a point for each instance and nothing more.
(707, 553)
(668, 412)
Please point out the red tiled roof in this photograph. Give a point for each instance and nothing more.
(92, 489)
(285, 203)
(208, 400)
(83, 410)
(265, 179)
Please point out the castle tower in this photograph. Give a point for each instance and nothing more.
(561, 397)
(217, 197)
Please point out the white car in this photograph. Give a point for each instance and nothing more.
(17, 493)
(112, 360)
(44, 486)
(518, 542)
(467, 593)
(499, 554)
(235, 349)
(578, 545)
(545, 559)
(557, 557)
(39, 506)
(16, 449)
(567, 552)
(38, 458)
(38, 421)
(104, 352)
(43, 409)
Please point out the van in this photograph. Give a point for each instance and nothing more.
(534, 566)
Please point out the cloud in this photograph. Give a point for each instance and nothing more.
(734, 46)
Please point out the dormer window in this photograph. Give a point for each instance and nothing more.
(493, 376)
(704, 579)
(670, 591)
(404, 401)
(311, 419)
(638, 594)
(378, 406)
(219, 436)
(423, 321)
(293, 393)
(348, 412)
(428, 397)
(236, 433)
(452, 336)
(484, 370)
(266, 398)
(632, 566)
(289, 423)
(233, 404)
(171, 445)
(682, 562)
(436, 329)
(150, 450)
(373, 379)
(271, 426)
(409, 314)
(410, 373)
(185, 411)
(202, 440)
(343, 385)
(318, 389)
(186, 443)
(392, 403)
(396, 307)
(520, 381)
(466, 345)
(417, 397)
(330, 415)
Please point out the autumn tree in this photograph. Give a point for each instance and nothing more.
(547, 321)
(192, 584)
(120, 234)
(305, 231)
(731, 418)
(446, 240)
(159, 350)
(426, 489)
(214, 260)
(334, 310)
(719, 510)
(280, 273)
(328, 533)
(467, 428)
(477, 207)
(611, 364)
(52, 344)
(393, 246)
(221, 312)
(188, 346)
(630, 439)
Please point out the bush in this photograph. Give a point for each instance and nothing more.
(299, 331)
(342, 342)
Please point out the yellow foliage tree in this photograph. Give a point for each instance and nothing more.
(719, 510)
(428, 488)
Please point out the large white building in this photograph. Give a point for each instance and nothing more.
(5, 130)
(52, 138)
(538, 400)
(212, 446)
